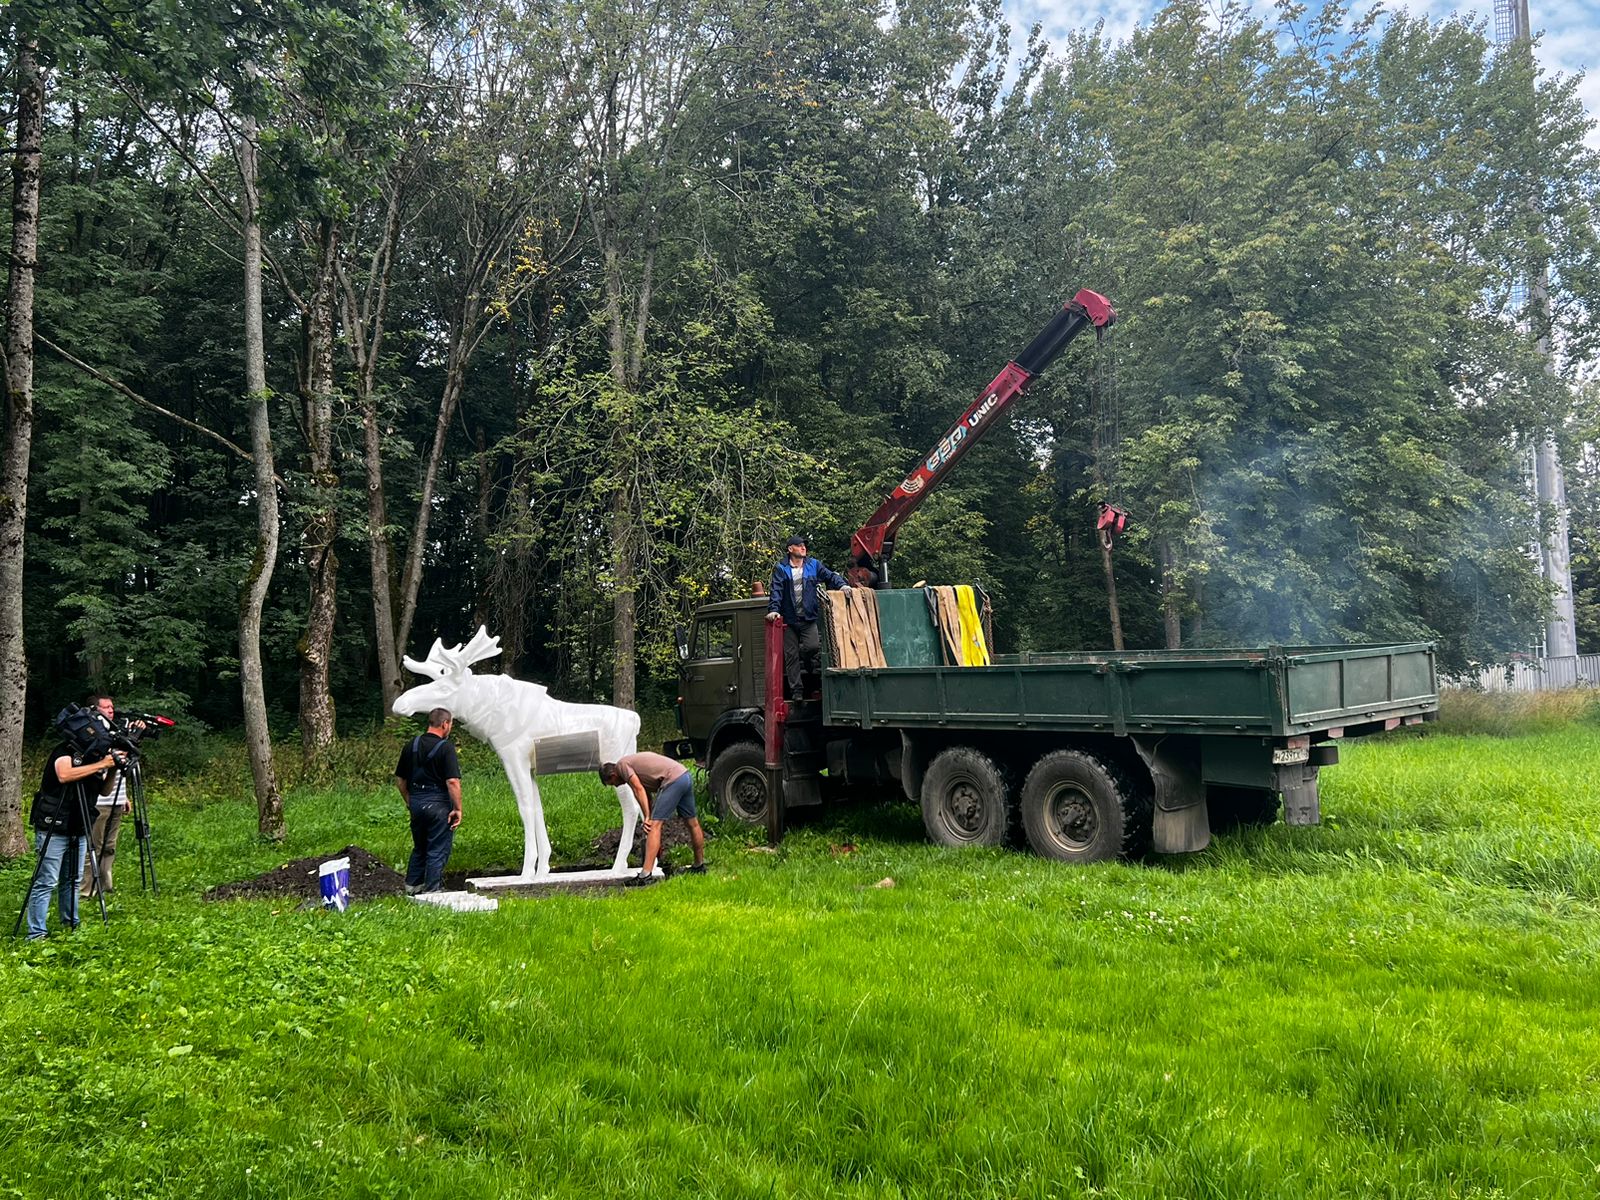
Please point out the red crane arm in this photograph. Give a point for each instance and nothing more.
(873, 544)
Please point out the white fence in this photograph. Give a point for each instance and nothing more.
(1537, 675)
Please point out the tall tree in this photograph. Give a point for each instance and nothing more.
(14, 459)
(647, 74)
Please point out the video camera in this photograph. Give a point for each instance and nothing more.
(136, 726)
(91, 738)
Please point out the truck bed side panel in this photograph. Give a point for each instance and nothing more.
(1359, 684)
(1249, 692)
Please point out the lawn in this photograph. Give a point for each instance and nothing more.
(1401, 1002)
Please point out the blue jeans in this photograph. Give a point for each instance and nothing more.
(52, 877)
(431, 838)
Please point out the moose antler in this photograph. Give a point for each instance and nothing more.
(456, 661)
(435, 665)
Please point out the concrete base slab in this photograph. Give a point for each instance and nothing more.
(557, 881)
(458, 901)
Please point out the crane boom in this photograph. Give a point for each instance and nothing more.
(873, 544)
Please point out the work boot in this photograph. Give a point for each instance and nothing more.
(698, 869)
(640, 881)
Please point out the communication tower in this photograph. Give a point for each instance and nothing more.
(1531, 296)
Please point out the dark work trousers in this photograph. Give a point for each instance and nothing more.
(802, 651)
(431, 838)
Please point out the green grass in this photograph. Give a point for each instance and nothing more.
(1401, 1002)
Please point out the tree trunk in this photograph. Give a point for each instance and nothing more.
(624, 609)
(322, 521)
(390, 680)
(364, 327)
(19, 435)
(623, 613)
(257, 735)
(1111, 595)
(1170, 616)
(411, 579)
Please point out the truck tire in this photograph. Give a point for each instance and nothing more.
(1080, 809)
(739, 783)
(965, 799)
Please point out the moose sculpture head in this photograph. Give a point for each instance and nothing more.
(447, 671)
(511, 716)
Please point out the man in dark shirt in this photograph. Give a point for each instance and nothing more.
(61, 833)
(429, 779)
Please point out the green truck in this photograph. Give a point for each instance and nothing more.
(1090, 756)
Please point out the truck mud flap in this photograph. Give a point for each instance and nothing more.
(1181, 823)
(1302, 802)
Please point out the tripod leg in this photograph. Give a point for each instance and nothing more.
(141, 825)
(94, 859)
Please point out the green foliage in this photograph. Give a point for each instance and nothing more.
(727, 271)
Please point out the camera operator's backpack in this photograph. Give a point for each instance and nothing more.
(52, 812)
(55, 805)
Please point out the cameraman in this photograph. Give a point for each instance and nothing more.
(109, 809)
(59, 830)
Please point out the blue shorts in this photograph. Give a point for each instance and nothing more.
(674, 800)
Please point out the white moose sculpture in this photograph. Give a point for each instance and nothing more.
(511, 716)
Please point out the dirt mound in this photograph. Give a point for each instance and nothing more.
(673, 833)
(370, 877)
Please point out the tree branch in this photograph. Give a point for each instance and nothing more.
(127, 391)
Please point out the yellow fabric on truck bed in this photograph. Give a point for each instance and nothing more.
(960, 626)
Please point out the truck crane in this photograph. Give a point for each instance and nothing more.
(873, 544)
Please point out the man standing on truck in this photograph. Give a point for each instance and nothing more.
(792, 598)
(664, 789)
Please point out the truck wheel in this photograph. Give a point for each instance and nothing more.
(965, 799)
(739, 783)
(1077, 808)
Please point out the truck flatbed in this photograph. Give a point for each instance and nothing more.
(1273, 691)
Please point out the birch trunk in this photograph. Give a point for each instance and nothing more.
(322, 522)
(1111, 596)
(14, 461)
(411, 580)
(364, 325)
(1170, 617)
(257, 736)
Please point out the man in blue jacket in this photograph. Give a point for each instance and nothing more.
(792, 598)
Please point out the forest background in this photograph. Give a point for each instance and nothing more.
(355, 324)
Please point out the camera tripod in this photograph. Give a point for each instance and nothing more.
(133, 782)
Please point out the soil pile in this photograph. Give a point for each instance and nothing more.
(370, 877)
(673, 833)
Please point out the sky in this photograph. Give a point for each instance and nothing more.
(1570, 29)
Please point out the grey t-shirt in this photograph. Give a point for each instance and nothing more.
(799, 575)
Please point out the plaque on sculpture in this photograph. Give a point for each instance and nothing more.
(566, 754)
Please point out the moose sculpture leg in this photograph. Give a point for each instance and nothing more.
(530, 807)
(511, 716)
